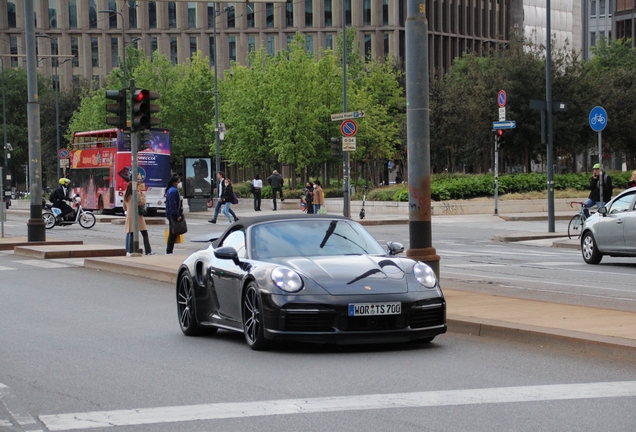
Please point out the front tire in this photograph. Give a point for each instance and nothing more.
(589, 250)
(575, 226)
(253, 318)
(49, 220)
(87, 220)
(186, 307)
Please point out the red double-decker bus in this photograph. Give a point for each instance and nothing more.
(101, 167)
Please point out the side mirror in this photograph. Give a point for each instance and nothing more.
(602, 210)
(228, 253)
(395, 248)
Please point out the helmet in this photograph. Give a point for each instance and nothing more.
(64, 181)
(596, 166)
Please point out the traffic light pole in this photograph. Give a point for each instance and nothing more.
(346, 212)
(496, 174)
(134, 145)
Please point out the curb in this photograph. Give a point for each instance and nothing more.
(13, 245)
(532, 218)
(544, 337)
(79, 251)
(515, 237)
(567, 244)
(132, 268)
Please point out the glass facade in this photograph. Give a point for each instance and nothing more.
(152, 15)
(174, 51)
(193, 46)
(366, 12)
(92, 14)
(153, 46)
(11, 13)
(385, 12)
(251, 43)
(52, 14)
(112, 18)
(192, 15)
(328, 13)
(231, 15)
(289, 13)
(232, 47)
(172, 15)
(329, 42)
(95, 51)
(269, 14)
(132, 14)
(367, 46)
(250, 15)
(347, 5)
(75, 51)
(210, 15)
(309, 13)
(271, 45)
(114, 51)
(72, 14)
(310, 44)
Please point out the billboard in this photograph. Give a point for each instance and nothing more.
(198, 177)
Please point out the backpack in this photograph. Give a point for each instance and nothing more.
(607, 188)
(53, 196)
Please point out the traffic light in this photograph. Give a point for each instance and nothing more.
(336, 146)
(145, 140)
(501, 137)
(142, 110)
(118, 108)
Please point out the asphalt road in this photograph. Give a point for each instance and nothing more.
(82, 348)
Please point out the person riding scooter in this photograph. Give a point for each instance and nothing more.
(59, 196)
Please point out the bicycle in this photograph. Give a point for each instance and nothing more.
(576, 223)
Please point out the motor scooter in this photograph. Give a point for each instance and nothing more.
(364, 199)
(51, 216)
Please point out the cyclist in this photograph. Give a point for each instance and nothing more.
(59, 196)
(594, 199)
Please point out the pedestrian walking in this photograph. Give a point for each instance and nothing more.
(220, 190)
(632, 182)
(276, 182)
(257, 185)
(594, 199)
(308, 193)
(228, 199)
(141, 222)
(319, 196)
(173, 209)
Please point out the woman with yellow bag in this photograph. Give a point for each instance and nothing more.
(174, 212)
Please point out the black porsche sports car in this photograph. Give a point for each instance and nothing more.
(309, 278)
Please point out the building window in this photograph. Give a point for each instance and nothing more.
(14, 51)
(271, 45)
(366, 12)
(328, 14)
(172, 15)
(309, 13)
(75, 51)
(601, 8)
(92, 15)
(592, 38)
(593, 9)
(211, 15)
(174, 52)
(193, 46)
(153, 46)
(192, 15)
(52, 14)
(250, 15)
(289, 13)
(386, 44)
(251, 43)
(385, 12)
(232, 48)
(212, 53)
(76, 80)
(290, 39)
(11, 14)
(114, 51)
(152, 15)
(609, 7)
(269, 14)
(55, 62)
(72, 14)
(95, 51)
(231, 15)
(347, 5)
(367, 46)
(112, 18)
(132, 14)
(329, 42)
(310, 44)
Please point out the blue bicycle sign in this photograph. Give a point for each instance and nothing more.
(598, 119)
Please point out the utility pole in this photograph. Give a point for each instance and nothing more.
(346, 212)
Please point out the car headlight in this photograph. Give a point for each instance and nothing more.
(287, 280)
(424, 275)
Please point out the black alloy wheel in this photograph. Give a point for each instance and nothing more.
(253, 318)
(186, 306)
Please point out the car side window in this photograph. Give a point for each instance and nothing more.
(236, 240)
(622, 204)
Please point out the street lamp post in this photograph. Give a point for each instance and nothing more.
(123, 44)
(216, 88)
(4, 116)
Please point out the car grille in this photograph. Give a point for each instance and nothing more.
(429, 317)
(366, 323)
(305, 322)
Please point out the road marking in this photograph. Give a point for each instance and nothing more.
(475, 265)
(102, 419)
(2, 268)
(18, 413)
(43, 263)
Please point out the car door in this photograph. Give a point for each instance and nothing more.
(609, 231)
(227, 277)
(629, 228)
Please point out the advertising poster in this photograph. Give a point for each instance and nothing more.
(198, 177)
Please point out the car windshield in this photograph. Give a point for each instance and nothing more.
(313, 237)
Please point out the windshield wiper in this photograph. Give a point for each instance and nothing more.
(330, 232)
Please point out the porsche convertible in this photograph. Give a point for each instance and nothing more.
(307, 278)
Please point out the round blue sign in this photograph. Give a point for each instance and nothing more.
(598, 119)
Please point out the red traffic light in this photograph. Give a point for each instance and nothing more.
(500, 132)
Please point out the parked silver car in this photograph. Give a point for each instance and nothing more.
(612, 230)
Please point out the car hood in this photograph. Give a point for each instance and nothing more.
(353, 274)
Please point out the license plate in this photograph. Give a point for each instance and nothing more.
(367, 309)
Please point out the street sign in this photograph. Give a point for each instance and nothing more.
(598, 119)
(349, 144)
(347, 115)
(502, 114)
(501, 98)
(63, 153)
(65, 163)
(504, 125)
(348, 128)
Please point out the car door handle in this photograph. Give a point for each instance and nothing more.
(620, 221)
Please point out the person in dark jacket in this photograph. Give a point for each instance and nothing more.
(227, 198)
(173, 209)
(220, 190)
(594, 199)
(59, 198)
(309, 197)
(276, 182)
